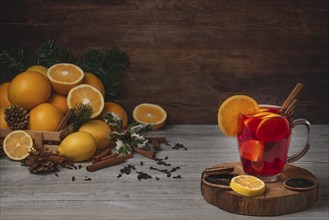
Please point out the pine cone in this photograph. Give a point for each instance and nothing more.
(17, 118)
(38, 161)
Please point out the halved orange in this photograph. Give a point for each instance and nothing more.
(64, 76)
(87, 95)
(228, 112)
(252, 150)
(272, 129)
(17, 145)
(147, 113)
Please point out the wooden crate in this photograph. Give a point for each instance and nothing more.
(48, 139)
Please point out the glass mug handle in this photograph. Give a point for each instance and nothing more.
(299, 155)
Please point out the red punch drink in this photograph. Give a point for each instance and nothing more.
(263, 140)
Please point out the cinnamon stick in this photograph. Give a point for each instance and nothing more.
(102, 154)
(64, 121)
(108, 162)
(145, 153)
(294, 94)
(57, 159)
(159, 139)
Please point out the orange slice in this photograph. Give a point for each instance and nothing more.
(17, 145)
(228, 112)
(252, 150)
(87, 95)
(272, 129)
(64, 76)
(147, 113)
(247, 185)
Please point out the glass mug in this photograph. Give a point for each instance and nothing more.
(264, 140)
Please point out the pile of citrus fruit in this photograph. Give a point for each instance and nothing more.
(48, 93)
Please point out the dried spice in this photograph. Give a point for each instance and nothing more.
(299, 184)
(142, 175)
(178, 146)
(220, 179)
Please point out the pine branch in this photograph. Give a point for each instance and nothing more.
(50, 53)
(108, 66)
(82, 113)
(15, 61)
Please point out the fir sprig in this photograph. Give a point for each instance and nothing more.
(49, 53)
(15, 60)
(81, 114)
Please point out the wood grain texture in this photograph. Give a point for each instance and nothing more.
(277, 200)
(189, 56)
(48, 197)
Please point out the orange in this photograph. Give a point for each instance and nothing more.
(87, 95)
(252, 150)
(64, 76)
(4, 101)
(45, 117)
(272, 129)
(147, 113)
(59, 101)
(93, 80)
(38, 68)
(17, 145)
(116, 109)
(3, 123)
(29, 89)
(247, 185)
(228, 112)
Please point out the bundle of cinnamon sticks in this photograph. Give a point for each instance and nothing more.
(107, 158)
(289, 104)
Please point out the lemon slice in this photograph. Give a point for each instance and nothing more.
(147, 113)
(17, 145)
(247, 185)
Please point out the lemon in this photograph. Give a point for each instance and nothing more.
(77, 147)
(99, 130)
(247, 185)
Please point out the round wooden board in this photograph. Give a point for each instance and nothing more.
(276, 200)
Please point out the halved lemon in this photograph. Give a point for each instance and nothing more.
(87, 95)
(17, 145)
(147, 113)
(228, 112)
(64, 76)
(247, 185)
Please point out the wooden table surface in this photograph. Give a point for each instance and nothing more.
(104, 196)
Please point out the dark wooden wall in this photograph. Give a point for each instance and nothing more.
(190, 55)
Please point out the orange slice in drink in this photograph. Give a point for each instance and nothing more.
(228, 113)
(64, 76)
(252, 150)
(17, 145)
(87, 95)
(272, 129)
(147, 113)
(247, 185)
